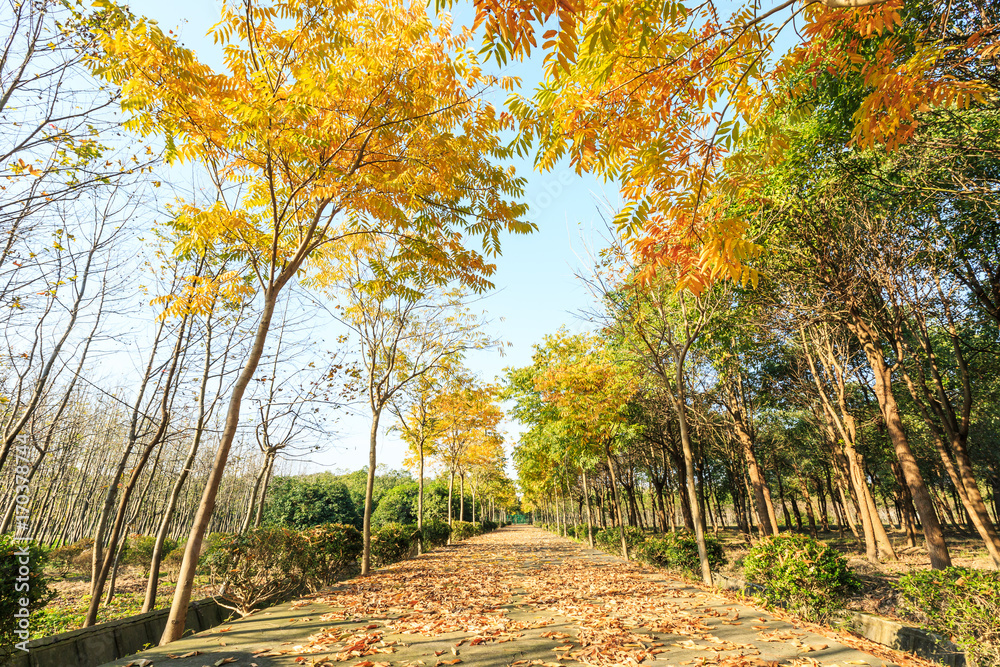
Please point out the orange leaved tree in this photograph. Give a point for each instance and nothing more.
(657, 96)
(330, 121)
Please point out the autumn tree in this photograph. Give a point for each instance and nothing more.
(408, 325)
(328, 122)
(419, 429)
(467, 416)
(574, 397)
(658, 97)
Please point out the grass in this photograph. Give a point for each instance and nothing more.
(68, 608)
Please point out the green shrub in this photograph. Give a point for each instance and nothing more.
(679, 551)
(800, 573)
(392, 543)
(27, 585)
(258, 568)
(304, 502)
(961, 603)
(332, 548)
(580, 532)
(488, 526)
(173, 560)
(210, 548)
(140, 549)
(436, 533)
(396, 506)
(463, 530)
(610, 538)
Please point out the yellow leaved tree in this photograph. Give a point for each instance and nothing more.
(659, 97)
(331, 119)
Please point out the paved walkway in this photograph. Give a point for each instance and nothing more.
(517, 597)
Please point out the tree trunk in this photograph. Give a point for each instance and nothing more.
(937, 548)
(420, 501)
(590, 520)
(451, 486)
(618, 503)
(366, 559)
(185, 580)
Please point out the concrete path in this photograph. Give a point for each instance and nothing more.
(517, 597)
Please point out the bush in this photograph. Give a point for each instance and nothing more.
(435, 533)
(579, 531)
(463, 530)
(68, 555)
(487, 526)
(32, 588)
(610, 539)
(679, 551)
(332, 549)
(396, 506)
(435, 501)
(257, 568)
(800, 573)
(961, 603)
(173, 560)
(210, 548)
(304, 502)
(140, 549)
(392, 543)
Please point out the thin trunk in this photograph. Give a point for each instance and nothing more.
(590, 519)
(366, 557)
(617, 501)
(937, 548)
(185, 579)
(420, 501)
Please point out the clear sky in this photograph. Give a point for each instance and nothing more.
(536, 288)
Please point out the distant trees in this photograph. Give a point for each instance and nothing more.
(303, 502)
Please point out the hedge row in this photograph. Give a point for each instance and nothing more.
(266, 565)
(672, 551)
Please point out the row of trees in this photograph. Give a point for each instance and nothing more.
(851, 181)
(861, 369)
(360, 198)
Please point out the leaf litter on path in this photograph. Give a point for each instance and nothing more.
(497, 588)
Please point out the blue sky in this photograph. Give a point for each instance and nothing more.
(536, 288)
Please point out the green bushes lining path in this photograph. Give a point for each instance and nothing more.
(807, 577)
(463, 530)
(792, 570)
(679, 552)
(267, 565)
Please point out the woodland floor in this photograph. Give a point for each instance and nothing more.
(68, 607)
(519, 596)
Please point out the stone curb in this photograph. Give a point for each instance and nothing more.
(88, 647)
(893, 634)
